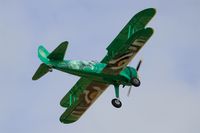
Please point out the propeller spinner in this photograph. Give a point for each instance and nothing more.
(134, 81)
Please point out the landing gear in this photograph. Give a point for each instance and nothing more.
(135, 82)
(116, 103)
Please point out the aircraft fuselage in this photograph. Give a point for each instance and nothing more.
(93, 70)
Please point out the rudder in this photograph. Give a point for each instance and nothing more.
(59, 53)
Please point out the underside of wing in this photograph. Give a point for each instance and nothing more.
(128, 42)
(138, 22)
(80, 98)
(72, 96)
(119, 59)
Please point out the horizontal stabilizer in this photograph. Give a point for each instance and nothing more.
(42, 70)
(59, 52)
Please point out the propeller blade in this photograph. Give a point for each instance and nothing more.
(129, 91)
(138, 66)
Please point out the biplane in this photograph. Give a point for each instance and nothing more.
(97, 76)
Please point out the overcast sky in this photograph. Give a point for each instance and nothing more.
(168, 101)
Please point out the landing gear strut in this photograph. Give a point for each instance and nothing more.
(116, 102)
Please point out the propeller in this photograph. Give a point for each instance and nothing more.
(129, 91)
(131, 75)
(139, 64)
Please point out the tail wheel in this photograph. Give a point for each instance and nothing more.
(50, 69)
(116, 103)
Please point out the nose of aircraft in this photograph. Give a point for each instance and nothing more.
(135, 82)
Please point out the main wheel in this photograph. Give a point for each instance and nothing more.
(135, 82)
(116, 103)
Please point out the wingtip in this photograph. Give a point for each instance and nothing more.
(33, 79)
(149, 30)
(149, 11)
(64, 121)
(65, 43)
(153, 10)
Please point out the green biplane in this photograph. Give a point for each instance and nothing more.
(97, 76)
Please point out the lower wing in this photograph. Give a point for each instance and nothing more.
(118, 58)
(80, 98)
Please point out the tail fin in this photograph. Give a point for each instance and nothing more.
(42, 70)
(59, 52)
(46, 57)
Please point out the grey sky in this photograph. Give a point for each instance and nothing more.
(168, 100)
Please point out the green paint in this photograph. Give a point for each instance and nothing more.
(70, 100)
(138, 22)
(97, 76)
(129, 31)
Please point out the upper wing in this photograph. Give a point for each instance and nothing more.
(80, 98)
